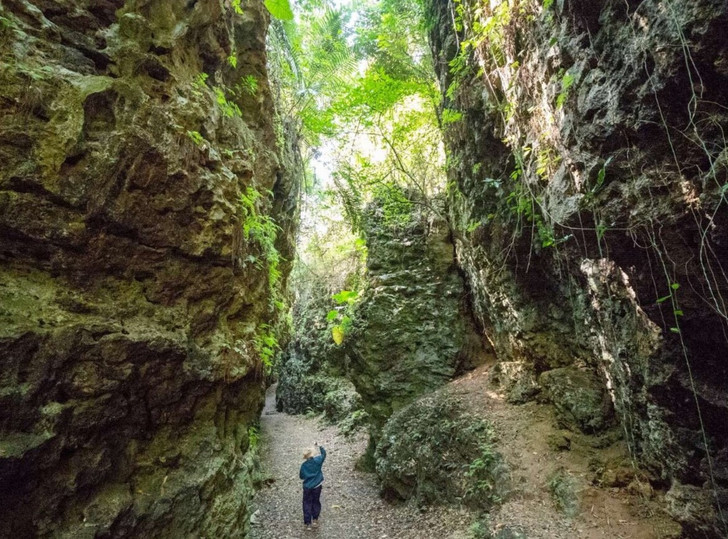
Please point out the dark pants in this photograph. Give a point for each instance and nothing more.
(311, 504)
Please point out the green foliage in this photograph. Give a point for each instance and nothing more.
(262, 229)
(483, 26)
(253, 437)
(233, 61)
(266, 345)
(237, 7)
(601, 176)
(563, 491)
(567, 81)
(281, 9)
(377, 77)
(480, 529)
(483, 472)
(199, 84)
(343, 319)
(450, 116)
(228, 108)
(547, 160)
(196, 137)
(673, 288)
(345, 296)
(249, 84)
(5, 23)
(313, 63)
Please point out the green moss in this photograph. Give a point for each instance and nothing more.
(433, 451)
(563, 491)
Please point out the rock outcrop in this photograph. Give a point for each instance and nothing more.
(435, 452)
(132, 300)
(410, 329)
(589, 203)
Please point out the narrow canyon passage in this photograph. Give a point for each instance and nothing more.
(475, 248)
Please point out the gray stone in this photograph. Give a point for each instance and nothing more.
(579, 398)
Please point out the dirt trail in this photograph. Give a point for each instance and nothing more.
(627, 508)
(352, 508)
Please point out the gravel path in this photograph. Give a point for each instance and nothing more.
(352, 508)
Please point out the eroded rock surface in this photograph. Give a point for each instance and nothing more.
(130, 305)
(590, 211)
(412, 328)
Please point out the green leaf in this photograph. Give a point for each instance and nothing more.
(280, 9)
(675, 330)
(675, 286)
(664, 298)
(332, 315)
(601, 229)
(337, 333)
(345, 296)
(678, 312)
(450, 116)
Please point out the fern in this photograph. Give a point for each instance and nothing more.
(266, 345)
(196, 137)
(566, 83)
(249, 84)
(263, 230)
(228, 108)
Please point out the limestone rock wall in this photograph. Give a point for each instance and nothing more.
(131, 299)
(412, 330)
(589, 175)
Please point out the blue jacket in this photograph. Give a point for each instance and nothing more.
(311, 470)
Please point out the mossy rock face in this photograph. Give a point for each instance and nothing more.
(557, 228)
(434, 452)
(412, 331)
(128, 320)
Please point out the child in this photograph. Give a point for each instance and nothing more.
(312, 478)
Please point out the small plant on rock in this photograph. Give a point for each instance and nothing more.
(563, 491)
(343, 320)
